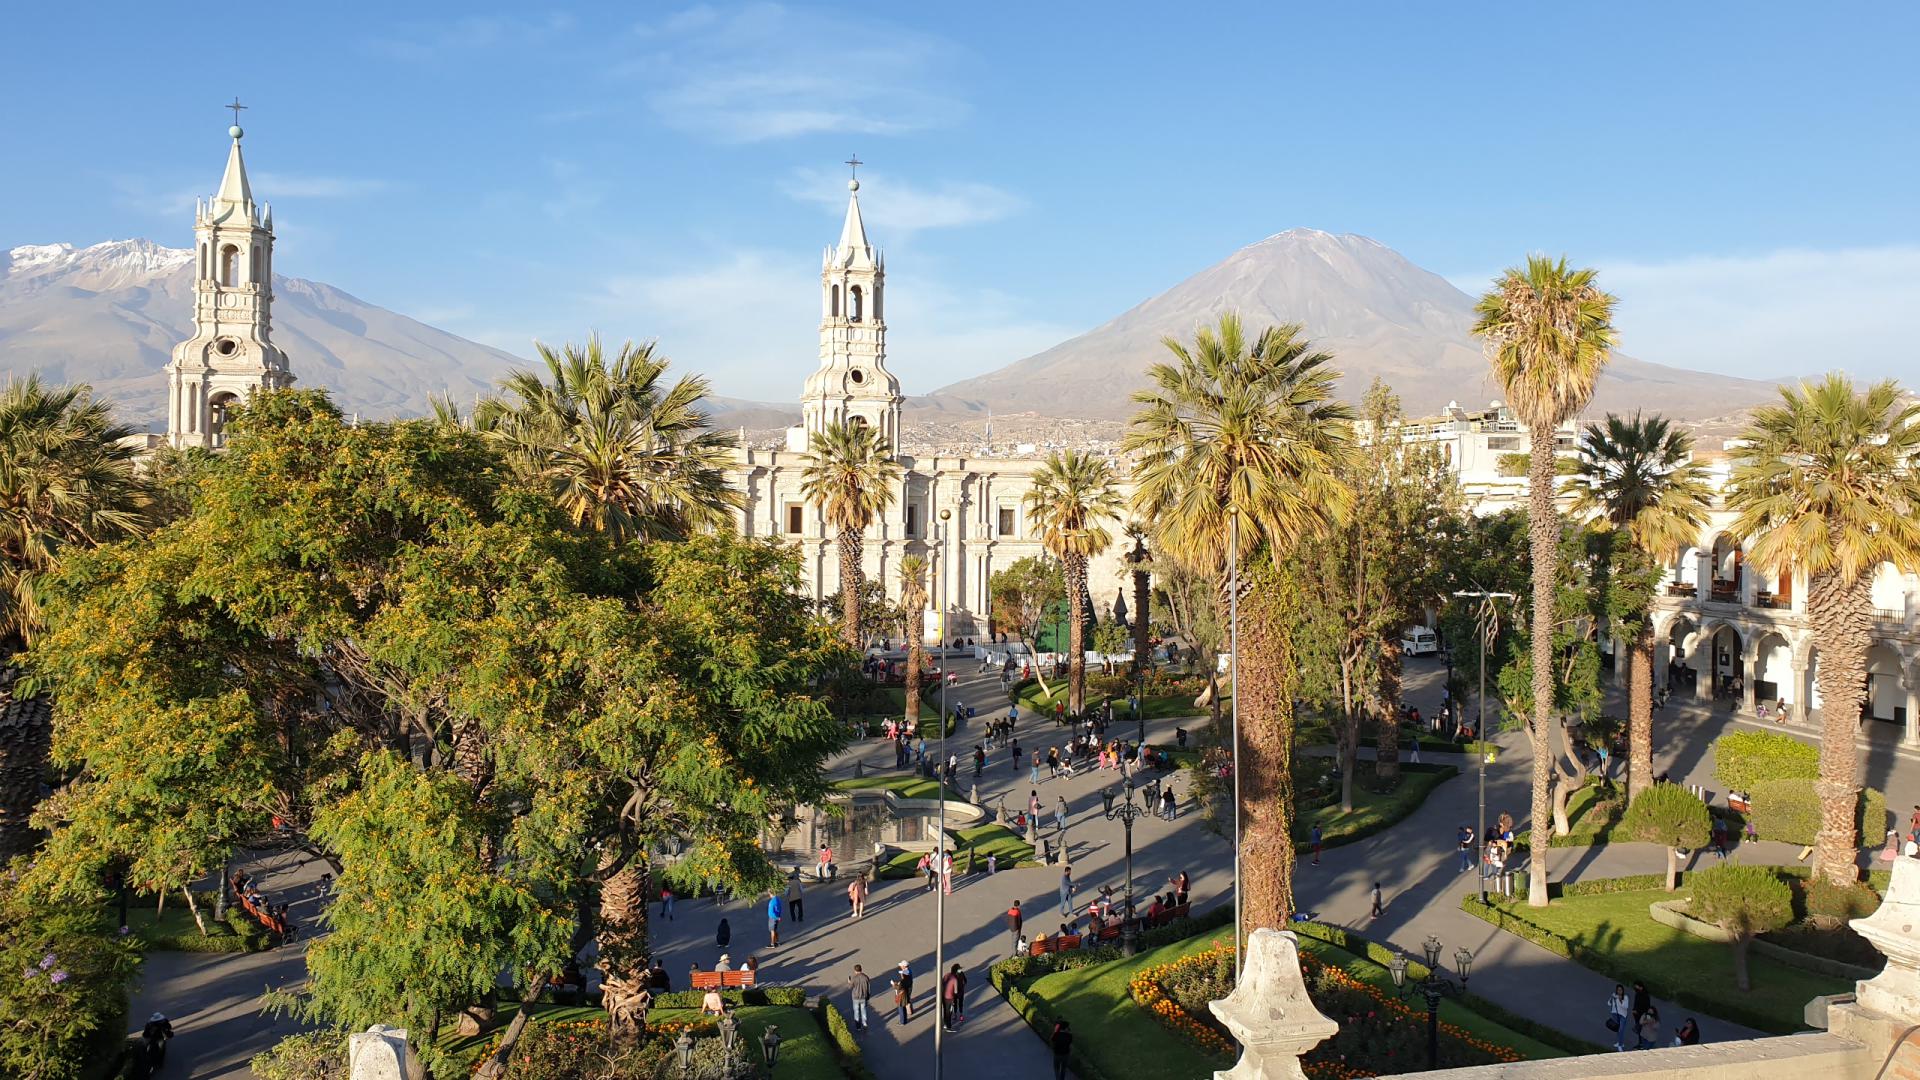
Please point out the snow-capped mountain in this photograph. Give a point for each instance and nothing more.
(1377, 312)
(111, 313)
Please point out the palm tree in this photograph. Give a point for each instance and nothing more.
(620, 450)
(1142, 602)
(1244, 429)
(1072, 494)
(1828, 482)
(913, 603)
(1636, 475)
(66, 480)
(1548, 332)
(850, 476)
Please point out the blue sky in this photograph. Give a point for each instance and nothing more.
(1743, 174)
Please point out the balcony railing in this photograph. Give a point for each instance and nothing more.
(1682, 590)
(1889, 617)
(1771, 601)
(1726, 592)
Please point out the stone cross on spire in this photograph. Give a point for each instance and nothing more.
(236, 107)
(853, 166)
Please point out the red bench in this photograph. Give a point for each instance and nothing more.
(1042, 946)
(737, 979)
(265, 918)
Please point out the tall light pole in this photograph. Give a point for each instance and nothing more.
(1127, 811)
(1488, 617)
(1233, 650)
(940, 793)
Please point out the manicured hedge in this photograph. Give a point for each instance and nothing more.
(1788, 810)
(1676, 987)
(846, 1049)
(793, 996)
(1342, 938)
(1744, 759)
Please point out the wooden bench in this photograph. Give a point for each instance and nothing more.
(737, 979)
(273, 923)
(1042, 946)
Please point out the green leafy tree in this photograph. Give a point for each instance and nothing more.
(1671, 816)
(1745, 901)
(63, 998)
(1071, 497)
(1548, 331)
(1828, 482)
(1636, 475)
(619, 449)
(1238, 446)
(850, 475)
(1111, 638)
(1187, 602)
(880, 617)
(66, 482)
(1024, 594)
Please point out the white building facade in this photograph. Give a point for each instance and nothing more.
(231, 353)
(987, 529)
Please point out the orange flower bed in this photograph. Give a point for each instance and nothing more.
(1148, 990)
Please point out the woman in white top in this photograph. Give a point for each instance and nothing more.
(1620, 1008)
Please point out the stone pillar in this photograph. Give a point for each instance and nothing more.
(1703, 579)
(1912, 684)
(1802, 690)
(1269, 1012)
(379, 1053)
(1749, 695)
(1702, 661)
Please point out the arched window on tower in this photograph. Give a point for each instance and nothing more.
(230, 265)
(853, 303)
(203, 261)
(836, 302)
(258, 268)
(217, 406)
(877, 314)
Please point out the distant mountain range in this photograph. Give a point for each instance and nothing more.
(111, 313)
(1378, 314)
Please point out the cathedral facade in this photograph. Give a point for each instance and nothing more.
(986, 527)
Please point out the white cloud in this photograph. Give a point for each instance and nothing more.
(749, 322)
(273, 185)
(899, 207)
(768, 72)
(430, 42)
(1783, 313)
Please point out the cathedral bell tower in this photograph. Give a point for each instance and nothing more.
(231, 353)
(852, 382)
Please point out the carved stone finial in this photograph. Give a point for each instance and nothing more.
(379, 1053)
(1894, 930)
(1269, 1012)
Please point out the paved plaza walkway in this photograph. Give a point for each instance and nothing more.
(211, 998)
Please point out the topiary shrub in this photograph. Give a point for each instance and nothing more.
(1829, 905)
(1744, 901)
(1789, 811)
(1742, 760)
(1671, 816)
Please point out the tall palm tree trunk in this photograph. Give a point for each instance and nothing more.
(1076, 575)
(1264, 691)
(623, 948)
(916, 656)
(1543, 532)
(850, 586)
(26, 742)
(1841, 615)
(1142, 601)
(1640, 712)
(1386, 746)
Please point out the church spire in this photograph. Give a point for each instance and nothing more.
(852, 383)
(234, 190)
(853, 235)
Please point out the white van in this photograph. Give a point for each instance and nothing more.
(1419, 641)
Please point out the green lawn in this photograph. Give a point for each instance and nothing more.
(1616, 927)
(983, 839)
(805, 1053)
(1120, 1040)
(1372, 811)
(907, 787)
(174, 929)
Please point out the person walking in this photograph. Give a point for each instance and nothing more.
(666, 902)
(1649, 1029)
(903, 991)
(1033, 807)
(1181, 885)
(1465, 839)
(796, 901)
(857, 894)
(775, 908)
(1379, 904)
(1061, 1043)
(723, 934)
(1033, 770)
(953, 991)
(1687, 1034)
(1060, 814)
(1316, 844)
(1066, 890)
(1620, 1016)
(1642, 1001)
(859, 988)
(946, 873)
(979, 760)
(1168, 806)
(1015, 919)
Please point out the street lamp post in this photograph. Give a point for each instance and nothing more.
(1127, 811)
(1488, 618)
(940, 793)
(1233, 650)
(1434, 987)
